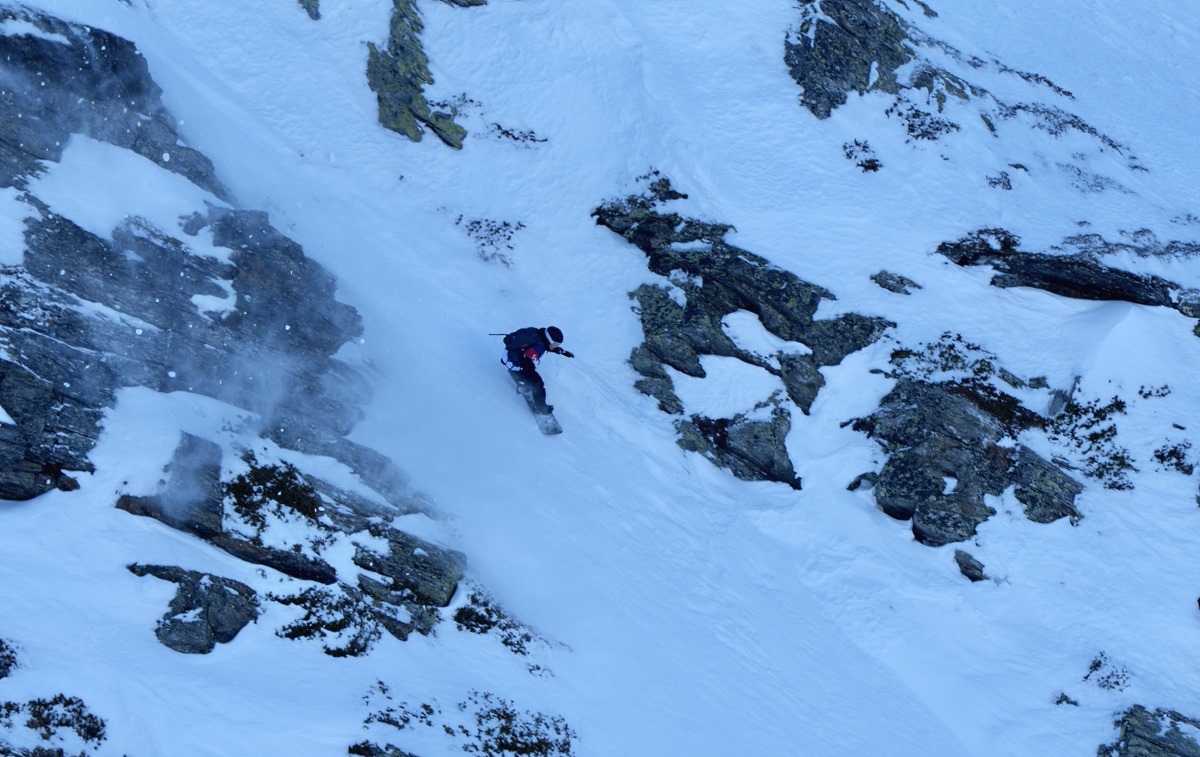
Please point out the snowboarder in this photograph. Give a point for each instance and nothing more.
(523, 349)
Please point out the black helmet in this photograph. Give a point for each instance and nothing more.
(555, 334)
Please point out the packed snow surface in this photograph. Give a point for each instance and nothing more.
(691, 613)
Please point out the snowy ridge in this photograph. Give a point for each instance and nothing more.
(670, 607)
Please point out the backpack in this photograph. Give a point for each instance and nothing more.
(522, 338)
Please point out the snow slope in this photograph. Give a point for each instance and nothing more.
(692, 613)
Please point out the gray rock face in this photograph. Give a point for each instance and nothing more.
(947, 450)
(716, 280)
(207, 610)
(273, 337)
(426, 574)
(1047, 493)
(1161, 733)
(894, 282)
(312, 8)
(751, 450)
(839, 47)
(845, 47)
(275, 340)
(969, 566)
(92, 312)
(79, 80)
(1074, 274)
(414, 578)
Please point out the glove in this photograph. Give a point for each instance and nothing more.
(564, 353)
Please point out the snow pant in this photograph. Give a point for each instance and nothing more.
(530, 384)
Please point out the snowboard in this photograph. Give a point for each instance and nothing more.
(546, 422)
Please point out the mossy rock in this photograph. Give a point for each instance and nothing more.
(398, 75)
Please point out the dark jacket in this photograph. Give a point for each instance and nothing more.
(525, 347)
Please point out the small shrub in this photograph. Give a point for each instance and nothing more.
(482, 724)
(47, 717)
(1107, 675)
(493, 239)
(345, 624)
(501, 730)
(520, 136)
(863, 156)
(481, 615)
(8, 711)
(1156, 391)
(922, 125)
(272, 487)
(267, 492)
(1092, 430)
(1176, 457)
(8, 658)
(1003, 181)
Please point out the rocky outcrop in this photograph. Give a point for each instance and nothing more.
(844, 46)
(969, 566)
(418, 572)
(398, 73)
(401, 589)
(59, 367)
(1161, 733)
(753, 450)
(709, 279)
(1077, 271)
(219, 304)
(312, 8)
(269, 323)
(67, 79)
(894, 282)
(950, 444)
(207, 610)
(274, 337)
(248, 322)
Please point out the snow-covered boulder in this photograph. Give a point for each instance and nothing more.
(207, 610)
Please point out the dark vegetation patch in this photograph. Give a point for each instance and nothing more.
(482, 724)
(526, 137)
(921, 125)
(481, 615)
(1001, 181)
(967, 369)
(8, 658)
(1106, 674)
(493, 239)
(278, 489)
(339, 618)
(1090, 428)
(859, 151)
(1176, 456)
(57, 720)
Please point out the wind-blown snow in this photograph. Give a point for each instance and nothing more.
(698, 614)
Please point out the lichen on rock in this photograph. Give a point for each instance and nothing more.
(949, 432)
(706, 279)
(398, 73)
(1158, 733)
(845, 46)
